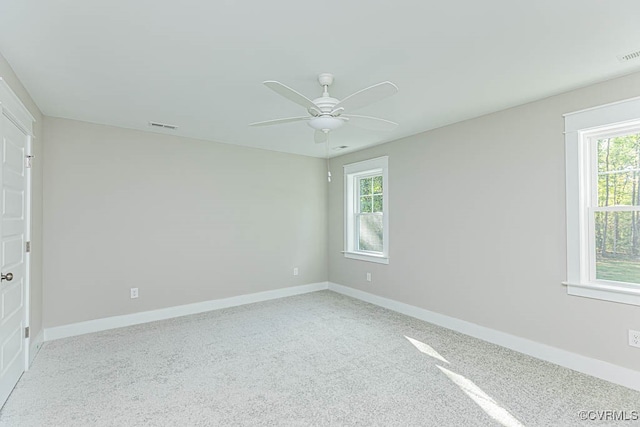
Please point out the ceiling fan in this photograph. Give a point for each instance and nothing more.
(327, 113)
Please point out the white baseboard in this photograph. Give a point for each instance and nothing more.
(597, 368)
(594, 367)
(177, 311)
(34, 346)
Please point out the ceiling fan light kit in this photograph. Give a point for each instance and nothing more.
(326, 113)
(325, 123)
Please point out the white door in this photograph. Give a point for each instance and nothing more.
(13, 223)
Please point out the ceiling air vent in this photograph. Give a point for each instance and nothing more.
(629, 56)
(162, 125)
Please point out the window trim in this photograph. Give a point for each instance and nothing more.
(580, 126)
(377, 166)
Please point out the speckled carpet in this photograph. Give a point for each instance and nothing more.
(316, 359)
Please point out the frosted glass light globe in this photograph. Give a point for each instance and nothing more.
(325, 123)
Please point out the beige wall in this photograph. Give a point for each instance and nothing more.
(35, 321)
(183, 220)
(477, 223)
(477, 228)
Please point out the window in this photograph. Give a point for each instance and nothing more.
(367, 210)
(615, 206)
(603, 202)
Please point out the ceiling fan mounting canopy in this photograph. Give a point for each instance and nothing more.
(325, 79)
(326, 112)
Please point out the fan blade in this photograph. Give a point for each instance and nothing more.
(367, 96)
(320, 137)
(279, 121)
(291, 94)
(371, 123)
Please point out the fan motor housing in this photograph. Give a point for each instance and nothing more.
(325, 103)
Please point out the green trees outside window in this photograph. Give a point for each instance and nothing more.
(617, 215)
(369, 219)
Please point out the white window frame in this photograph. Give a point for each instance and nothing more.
(353, 171)
(581, 128)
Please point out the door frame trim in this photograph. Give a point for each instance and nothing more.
(27, 255)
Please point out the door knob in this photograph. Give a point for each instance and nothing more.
(8, 277)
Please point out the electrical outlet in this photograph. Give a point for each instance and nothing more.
(634, 338)
(368, 277)
(295, 271)
(134, 292)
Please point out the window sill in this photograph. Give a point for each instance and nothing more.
(380, 259)
(607, 292)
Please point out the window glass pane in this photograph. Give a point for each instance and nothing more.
(618, 246)
(377, 184)
(365, 204)
(377, 203)
(370, 233)
(365, 186)
(618, 188)
(618, 170)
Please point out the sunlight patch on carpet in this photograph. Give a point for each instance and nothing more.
(426, 349)
(482, 399)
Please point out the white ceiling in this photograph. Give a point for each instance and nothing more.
(199, 64)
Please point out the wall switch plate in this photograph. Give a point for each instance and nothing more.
(634, 338)
(368, 277)
(295, 271)
(134, 292)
